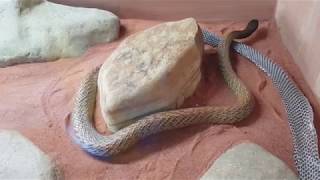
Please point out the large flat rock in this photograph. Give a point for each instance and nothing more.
(248, 161)
(150, 71)
(37, 30)
(21, 159)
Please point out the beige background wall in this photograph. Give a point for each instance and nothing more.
(204, 10)
(299, 24)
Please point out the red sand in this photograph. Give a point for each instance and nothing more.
(36, 100)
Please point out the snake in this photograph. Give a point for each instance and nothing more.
(100, 145)
(296, 104)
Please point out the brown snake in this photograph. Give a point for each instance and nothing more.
(107, 145)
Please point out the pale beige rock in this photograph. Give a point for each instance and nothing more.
(38, 30)
(150, 71)
(21, 159)
(248, 161)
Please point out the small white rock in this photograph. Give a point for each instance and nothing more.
(150, 71)
(37, 30)
(21, 159)
(248, 161)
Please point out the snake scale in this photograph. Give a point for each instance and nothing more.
(108, 145)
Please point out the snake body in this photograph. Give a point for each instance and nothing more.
(108, 145)
(300, 112)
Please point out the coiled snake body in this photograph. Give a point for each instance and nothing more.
(104, 146)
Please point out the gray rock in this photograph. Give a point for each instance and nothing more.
(150, 71)
(248, 161)
(21, 159)
(37, 30)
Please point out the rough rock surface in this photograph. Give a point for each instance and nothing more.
(37, 30)
(21, 159)
(150, 71)
(248, 161)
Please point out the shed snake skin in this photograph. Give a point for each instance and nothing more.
(108, 145)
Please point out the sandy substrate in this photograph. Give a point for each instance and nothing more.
(36, 100)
